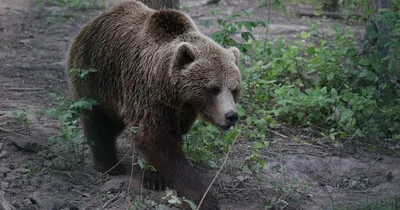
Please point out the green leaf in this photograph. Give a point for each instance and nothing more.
(345, 115)
(304, 35)
(310, 51)
(208, 23)
(247, 35)
(212, 164)
(240, 110)
(258, 145)
(364, 62)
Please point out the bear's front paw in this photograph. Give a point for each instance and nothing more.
(154, 181)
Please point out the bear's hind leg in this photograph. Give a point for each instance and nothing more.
(101, 133)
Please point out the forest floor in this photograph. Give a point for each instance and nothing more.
(34, 41)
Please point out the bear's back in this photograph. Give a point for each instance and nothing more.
(128, 44)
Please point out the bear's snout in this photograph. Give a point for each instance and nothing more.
(231, 118)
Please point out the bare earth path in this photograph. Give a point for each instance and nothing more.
(33, 44)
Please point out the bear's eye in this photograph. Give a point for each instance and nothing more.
(214, 90)
(235, 92)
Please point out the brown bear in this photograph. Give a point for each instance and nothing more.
(157, 72)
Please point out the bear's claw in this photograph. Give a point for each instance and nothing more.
(154, 181)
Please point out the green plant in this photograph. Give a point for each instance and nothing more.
(70, 137)
(289, 194)
(229, 26)
(22, 119)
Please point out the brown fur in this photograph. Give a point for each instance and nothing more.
(155, 70)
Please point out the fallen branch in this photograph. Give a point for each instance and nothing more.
(370, 166)
(24, 89)
(276, 133)
(10, 131)
(333, 15)
(219, 171)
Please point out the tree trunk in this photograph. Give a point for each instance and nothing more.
(331, 6)
(380, 26)
(162, 4)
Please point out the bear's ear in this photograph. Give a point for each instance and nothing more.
(236, 54)
(183, 55)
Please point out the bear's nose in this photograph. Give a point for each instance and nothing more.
(232, 117)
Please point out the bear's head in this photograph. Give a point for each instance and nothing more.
(207, 77)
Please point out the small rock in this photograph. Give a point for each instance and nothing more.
(11, 177)
(27, 144)
(1, 146)
(12, 166)
(26, 182)
(76, 191)
(2, 175)
(242, 178)
(4, 185)
(4, 170)
(329, 188)
(25, 41)
(35, 182)
(4, 155)
(27, 202)
(47, 163)
(61, 186)
(112, 186)
(35, 198)
(46, 178)
(110, 196)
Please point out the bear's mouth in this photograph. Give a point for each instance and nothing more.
(223, 127)
(220, 127)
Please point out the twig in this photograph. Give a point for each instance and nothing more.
(64, 172)
(130, 178)
(10, 131)
(73, 172)
(219, 171)
(379, 158)
(304, 144)
(105, 205)
(268, 19)
(301, 198)
(117, 200)
(276, 133)
(24, 89)
(141, 185)
(108, 169)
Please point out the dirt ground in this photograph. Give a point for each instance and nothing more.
(33, 43)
